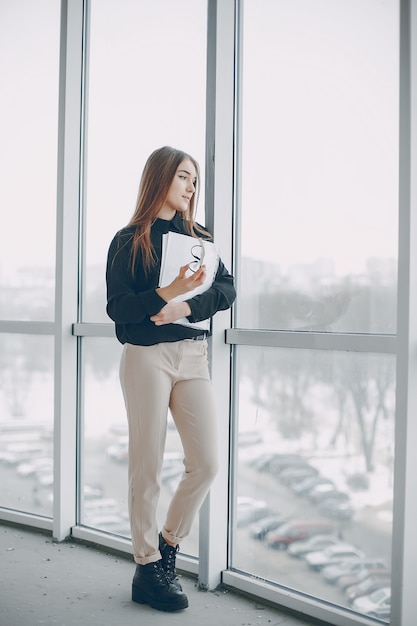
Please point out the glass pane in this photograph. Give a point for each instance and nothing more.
(147, 89)
(29, 49)
(314, 487)
(104, 459)
(104, 453)
(319, 166)
(26, 423)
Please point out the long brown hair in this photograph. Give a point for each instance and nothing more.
(157, 176)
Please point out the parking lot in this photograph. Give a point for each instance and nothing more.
(27, 484)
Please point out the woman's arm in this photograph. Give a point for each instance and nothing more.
(219, 297)
(125, 305)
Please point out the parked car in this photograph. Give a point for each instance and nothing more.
(379, 600)
(382, 612)
(337, 508)
(368, 585)
(44, 476)
(285, 462)
(21, 452)
(30, 467)
(249, 437)
(291, 475)
(356, 577)
(91, 492)
(115, 523)
(279, 465)
(332, 573)
(249, 510)
(100, 506)
(331, 555)
(119, 450)
(299, 549)
(322, 492)
(263, 462)
(297, 530)
(260, 528)
(304, 487)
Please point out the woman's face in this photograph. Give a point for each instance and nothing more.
(181, 190)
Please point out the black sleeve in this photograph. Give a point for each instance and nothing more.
(126, 303)
(218, 297)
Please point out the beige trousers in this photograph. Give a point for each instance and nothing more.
(153, 378)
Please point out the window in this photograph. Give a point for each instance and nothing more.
(29, 40)
(146, 89)
(317, 239)
(26, 422)
(318, 465)
(318, 203)
(29, 48)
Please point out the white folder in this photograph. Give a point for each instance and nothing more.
(179, 250)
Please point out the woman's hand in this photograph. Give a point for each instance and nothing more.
(170, 313)
(183, 283)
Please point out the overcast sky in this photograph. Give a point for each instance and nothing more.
(319, 123)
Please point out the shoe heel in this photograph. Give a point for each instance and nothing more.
(137, 596)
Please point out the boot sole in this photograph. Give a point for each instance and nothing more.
(141, 597)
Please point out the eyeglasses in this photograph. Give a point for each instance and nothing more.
(198, 253)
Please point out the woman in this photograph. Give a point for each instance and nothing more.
(164, 365)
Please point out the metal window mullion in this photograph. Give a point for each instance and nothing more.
(85, 67)
(219, 215)
(66, 296)
(404, 599)
(27, 328)
(346, 342)
(349, 342)
(92, 329)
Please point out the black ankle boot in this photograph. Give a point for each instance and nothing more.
(151, 586)
(168, 554)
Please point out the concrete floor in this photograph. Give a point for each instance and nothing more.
(68, 584)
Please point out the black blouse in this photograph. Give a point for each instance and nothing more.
(132, 300)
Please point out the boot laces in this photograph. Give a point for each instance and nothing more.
(160, 574)
(170, 553)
